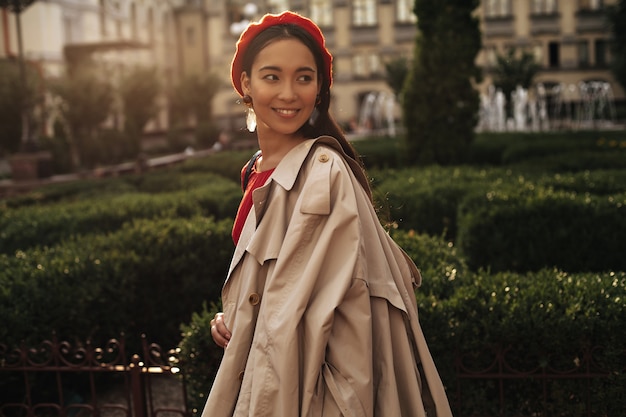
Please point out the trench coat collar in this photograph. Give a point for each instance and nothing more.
(287, 170)
(285, 175)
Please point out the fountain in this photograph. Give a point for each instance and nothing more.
(588, 105)
(376, 113)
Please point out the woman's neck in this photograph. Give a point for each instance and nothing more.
(274, 148)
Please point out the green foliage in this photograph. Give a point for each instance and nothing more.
(13, 100)
(396, 72)
(512, 70)
(199, 356)
(617, 17)
(158, 196)
(533, 227)
(545, 320)
(437, 259)
(86, 102)
(440, 104)
(146, 277)
(377, 153)
(193, 96)
(139, 90)
(141, 253)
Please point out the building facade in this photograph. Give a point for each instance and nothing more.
(568, 38)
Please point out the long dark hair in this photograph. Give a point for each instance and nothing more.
(324, 124)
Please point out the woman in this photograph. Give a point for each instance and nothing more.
(320, 317)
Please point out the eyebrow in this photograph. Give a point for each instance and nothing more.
(278, 69)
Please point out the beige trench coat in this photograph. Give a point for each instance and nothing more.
(320, 304)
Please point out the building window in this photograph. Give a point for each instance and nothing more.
(553, 55)
(498, 8)
(375, 67)
(404, 11)
(590, 4)
(600, 53)
(322, 12)
(364, 12)
(359, 66)
(583, 54)
(367, 65)
(544, 7)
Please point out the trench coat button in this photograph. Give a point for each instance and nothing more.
(240, 376)
(323, 158)
(254, 299)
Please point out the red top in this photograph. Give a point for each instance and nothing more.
(256, 180)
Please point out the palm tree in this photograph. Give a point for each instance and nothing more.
(512, 71)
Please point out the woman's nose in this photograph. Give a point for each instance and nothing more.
(288, 92)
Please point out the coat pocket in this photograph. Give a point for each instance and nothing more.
(339, 396)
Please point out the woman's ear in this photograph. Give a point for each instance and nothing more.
(245, 83)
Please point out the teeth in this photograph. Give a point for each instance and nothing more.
(286, 111)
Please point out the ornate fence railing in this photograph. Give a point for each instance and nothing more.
(517, 383)
(61, 379)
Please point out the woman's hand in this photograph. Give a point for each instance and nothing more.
(219, 331)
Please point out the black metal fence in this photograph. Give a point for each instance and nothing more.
(60, 379)
(45, 381)
(540, 384)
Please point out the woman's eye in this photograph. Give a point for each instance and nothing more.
(271, 77)
(305, 78)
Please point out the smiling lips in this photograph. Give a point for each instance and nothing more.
(287, 112)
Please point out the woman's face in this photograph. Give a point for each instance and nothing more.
(283, 84)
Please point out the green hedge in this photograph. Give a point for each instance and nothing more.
(141, 254)
(148, 277)
(510, 219)
(520, 231)
(545, 319)
(46, 224)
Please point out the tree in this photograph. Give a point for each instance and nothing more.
(397, 70)
(139, 90)
(512, 70)
(617, 19)
(440, 103)
(26, 106)
(86, 102)
(193, 96)
(13, 99)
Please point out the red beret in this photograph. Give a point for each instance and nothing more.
(266, 21)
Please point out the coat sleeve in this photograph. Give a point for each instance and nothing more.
(312, 277)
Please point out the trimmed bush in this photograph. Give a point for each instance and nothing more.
(148, 277)
(199, 356)
(44, 225)
(545, 320)
(523, 231)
